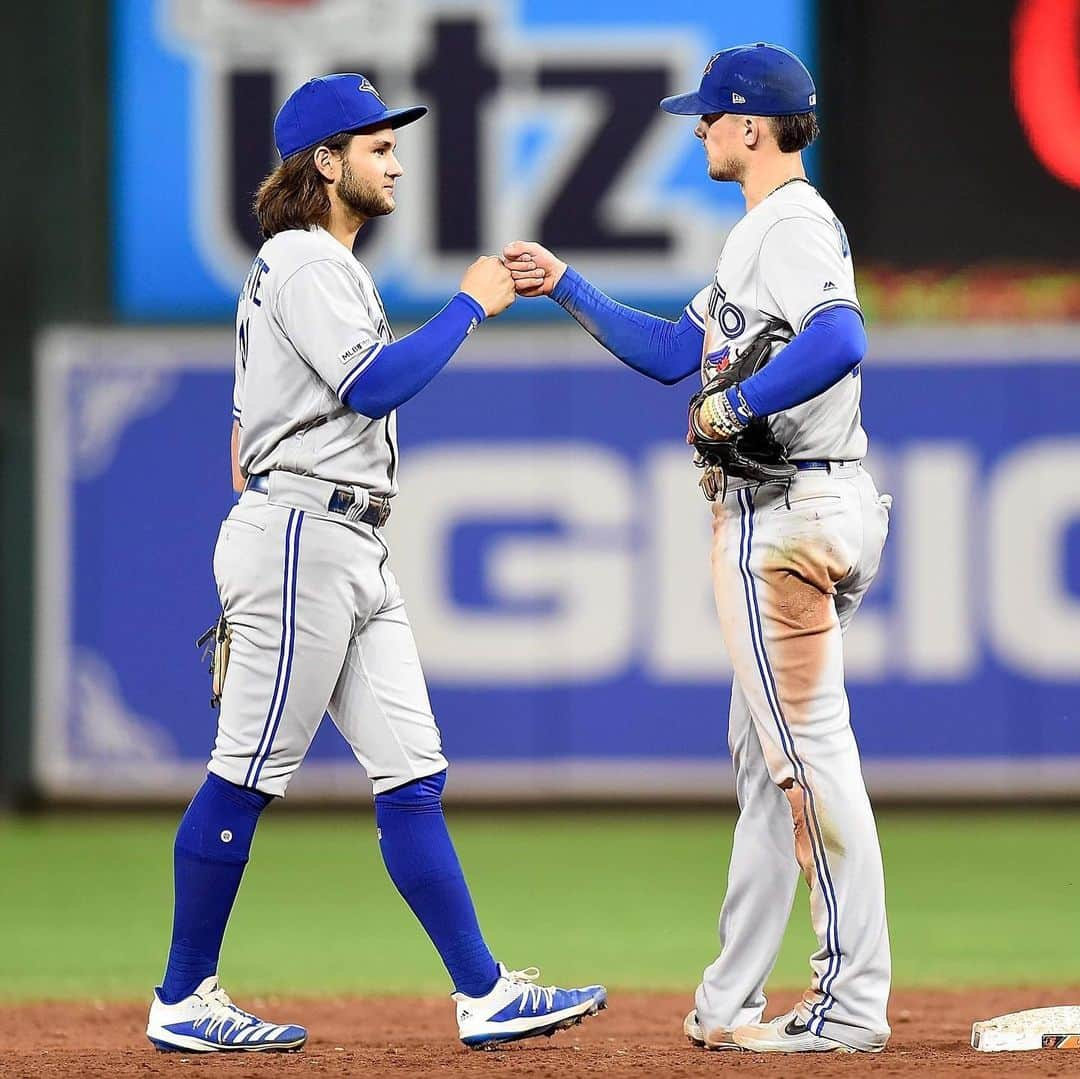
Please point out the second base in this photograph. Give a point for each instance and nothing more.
(1038, 1028)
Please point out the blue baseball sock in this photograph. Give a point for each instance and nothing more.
(421, 861)
(211, 850)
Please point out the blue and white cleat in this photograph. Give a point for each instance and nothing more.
(519, 1008)
(208, 1022)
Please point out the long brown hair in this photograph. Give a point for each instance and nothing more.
(294, 196)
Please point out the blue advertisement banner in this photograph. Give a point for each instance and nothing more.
(555, 567)
(544, 126)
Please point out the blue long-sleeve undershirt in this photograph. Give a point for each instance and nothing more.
(403, 368)
(664, 350)
(830, 347)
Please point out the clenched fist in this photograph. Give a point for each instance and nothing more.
(536, 271)
(490, 284)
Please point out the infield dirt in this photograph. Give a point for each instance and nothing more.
(640, 1035)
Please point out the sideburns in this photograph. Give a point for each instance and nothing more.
(360, 196)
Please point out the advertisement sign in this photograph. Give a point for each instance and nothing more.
(544, 125)
(555, 568)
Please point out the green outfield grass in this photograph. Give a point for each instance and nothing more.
(628, 897)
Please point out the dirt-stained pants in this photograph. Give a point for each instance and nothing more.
(788, 574)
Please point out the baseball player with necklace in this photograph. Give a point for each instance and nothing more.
(798, 529)
(313, 618)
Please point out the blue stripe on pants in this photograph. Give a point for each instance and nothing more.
(286, 648)
(787, 742)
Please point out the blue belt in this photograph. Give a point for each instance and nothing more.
(377, 511)
(806, 466)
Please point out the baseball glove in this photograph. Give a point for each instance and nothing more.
(752, 453)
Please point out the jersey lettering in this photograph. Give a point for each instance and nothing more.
(727, 316)
(845, 248)
(254, 280)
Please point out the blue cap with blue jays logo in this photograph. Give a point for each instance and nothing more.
(752, 80)
(331, 105)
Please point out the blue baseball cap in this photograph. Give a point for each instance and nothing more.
(751, 80)
(331, 105)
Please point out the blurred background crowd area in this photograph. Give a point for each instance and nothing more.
(556, 573)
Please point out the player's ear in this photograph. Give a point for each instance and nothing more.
(327, 163)
(751, 130)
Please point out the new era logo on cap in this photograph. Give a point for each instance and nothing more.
(737, 99)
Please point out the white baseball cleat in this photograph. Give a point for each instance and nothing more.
(707, 1039)
(787, 1034)
(209, 1022)
(519, 1008)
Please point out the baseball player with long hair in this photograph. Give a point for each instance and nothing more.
(796, 543)
(313, 616)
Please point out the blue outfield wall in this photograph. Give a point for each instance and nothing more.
(553, 551)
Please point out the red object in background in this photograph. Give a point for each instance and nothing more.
(1046, 82)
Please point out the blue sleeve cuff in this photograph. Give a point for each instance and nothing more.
(480, 313)
(566, 286)
(743, 412)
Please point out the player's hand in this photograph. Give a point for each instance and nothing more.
(536, 271)
(694, 420)
(712, 419)
(697, 429)
(490, 284)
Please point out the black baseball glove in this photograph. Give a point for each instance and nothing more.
(751, 452)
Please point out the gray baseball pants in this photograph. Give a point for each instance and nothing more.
(788, 576)
(318, 625)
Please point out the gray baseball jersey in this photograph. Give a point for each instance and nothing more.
(309, 322)
(788, 258)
